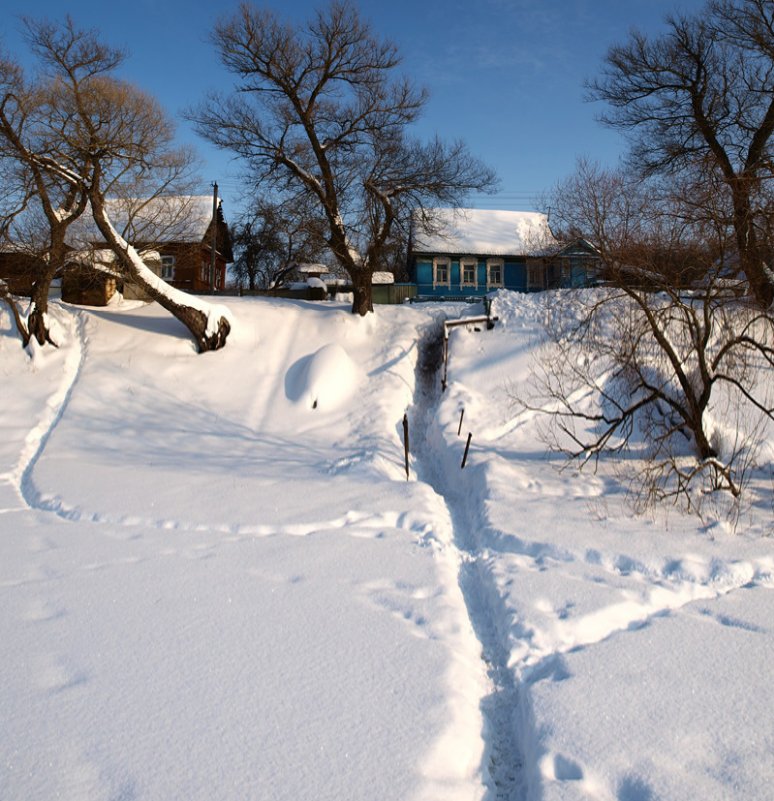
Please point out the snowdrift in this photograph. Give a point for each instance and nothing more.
(217, 582)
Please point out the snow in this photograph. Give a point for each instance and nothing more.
(327, 378)
(316, 269)
(485, 232)
(217, 583)
(173, 218)
(214, 313)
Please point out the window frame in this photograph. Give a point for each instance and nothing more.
(445, 263)
(499, 264)
(168, 265)
(468, 261)
(538, 270)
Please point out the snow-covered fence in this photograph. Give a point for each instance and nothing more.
(450, 324)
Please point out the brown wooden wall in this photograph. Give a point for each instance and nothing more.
(192, 267)
(18, 270)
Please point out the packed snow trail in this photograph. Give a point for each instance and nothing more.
(203, 607)
(593, 606)
(485, 607)
(20, 477)
(282, 612)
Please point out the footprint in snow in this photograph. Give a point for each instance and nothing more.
(41, 610)
(60, 675)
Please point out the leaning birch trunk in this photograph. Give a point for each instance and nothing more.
(208, 324)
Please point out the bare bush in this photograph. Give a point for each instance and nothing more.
(673, 384)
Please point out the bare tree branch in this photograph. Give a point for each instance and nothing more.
(320, 110)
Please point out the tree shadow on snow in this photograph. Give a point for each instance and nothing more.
(166, 326)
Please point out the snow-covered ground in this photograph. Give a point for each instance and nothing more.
(216, 582)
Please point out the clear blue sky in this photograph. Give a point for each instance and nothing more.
(506, 76)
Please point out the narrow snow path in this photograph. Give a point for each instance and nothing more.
(485, 606)
(260, 649)
(20, 476)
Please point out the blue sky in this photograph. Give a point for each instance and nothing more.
(506, 76)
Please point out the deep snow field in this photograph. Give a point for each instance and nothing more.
(217, 583)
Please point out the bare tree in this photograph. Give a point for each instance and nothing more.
(318, 110)
(701, 98)
(272, 237)
(27, 141)
(675, 230)
(668, 362)
(80, 134)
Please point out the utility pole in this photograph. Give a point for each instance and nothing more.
(214, 243)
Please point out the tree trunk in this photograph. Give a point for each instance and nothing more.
(761, 286)
(750, 257)
(362, 292)
(6, 296)
(131, 266)
(193, 319)
(36, 320)
(703, 448)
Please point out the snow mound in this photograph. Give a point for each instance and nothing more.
(326, 379)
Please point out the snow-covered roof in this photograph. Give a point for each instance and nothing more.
(318, 269)
(485, 232)
(381, 277)
(177, 218)
(100, 257)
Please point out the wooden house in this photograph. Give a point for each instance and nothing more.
(90, 277)
(179, 232)
(19, 268)
(463, 253)
(174, 234)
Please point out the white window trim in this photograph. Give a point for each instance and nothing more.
(468, 260)
(167, 268)
(495, 263)
(437, 262)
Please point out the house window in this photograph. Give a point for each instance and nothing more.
(441, 272)
(468, 270)
(167, 268)
(535, 276)
(494, 273)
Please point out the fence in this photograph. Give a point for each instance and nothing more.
(382, 293)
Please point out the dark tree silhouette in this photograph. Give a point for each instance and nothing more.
(700, 99)
(318, 108)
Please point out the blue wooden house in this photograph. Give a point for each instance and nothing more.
(463, 253)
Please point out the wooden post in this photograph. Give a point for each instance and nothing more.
(445, 357)
(406, 443)
(467, 448)
(462, 414)
(214, 242)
